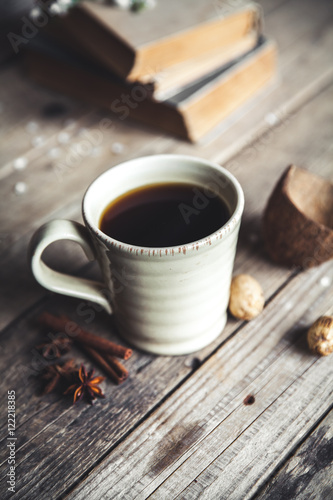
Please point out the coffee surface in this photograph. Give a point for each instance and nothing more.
(164, 215)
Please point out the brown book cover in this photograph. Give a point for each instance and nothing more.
(166, 82)
(190, 113)
(139, 45)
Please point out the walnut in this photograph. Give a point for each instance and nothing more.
(246, 297)
(320, 336)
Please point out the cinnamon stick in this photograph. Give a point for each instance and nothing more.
(112, 371)
(64, 324)
(118, 367)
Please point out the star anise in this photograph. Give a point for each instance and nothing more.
(55, 347)
(86, 386)
(53, 375)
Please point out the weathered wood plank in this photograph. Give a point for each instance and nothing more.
(30, 113)
(43, 421)
(205, 441)
(59, 443)
(32, 406)
(308, 475)
(73, 436)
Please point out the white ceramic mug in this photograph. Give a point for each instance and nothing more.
(165, 300)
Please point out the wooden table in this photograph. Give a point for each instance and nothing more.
(179, 427)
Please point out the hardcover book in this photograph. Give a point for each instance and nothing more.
(189, 113)
(136, 46)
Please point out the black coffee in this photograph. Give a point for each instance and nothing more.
(164, 215)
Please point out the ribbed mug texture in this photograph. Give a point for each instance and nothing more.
(167, 300)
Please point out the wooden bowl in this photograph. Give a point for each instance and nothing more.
(298, 220)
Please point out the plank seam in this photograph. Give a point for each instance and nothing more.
(290, 278)
(253, 421)
(290, 455)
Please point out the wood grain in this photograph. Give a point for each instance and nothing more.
(29, 112)
(44, 423)
(308, 475)
(268, 359)
(188, 413)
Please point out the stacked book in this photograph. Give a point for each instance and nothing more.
(183, 66)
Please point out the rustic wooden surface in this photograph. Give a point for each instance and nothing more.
(178, 427)
(309, 472)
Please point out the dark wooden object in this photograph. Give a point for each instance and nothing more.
(298, 219)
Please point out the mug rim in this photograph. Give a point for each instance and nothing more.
(209, 240)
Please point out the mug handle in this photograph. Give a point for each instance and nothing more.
(59, 282)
